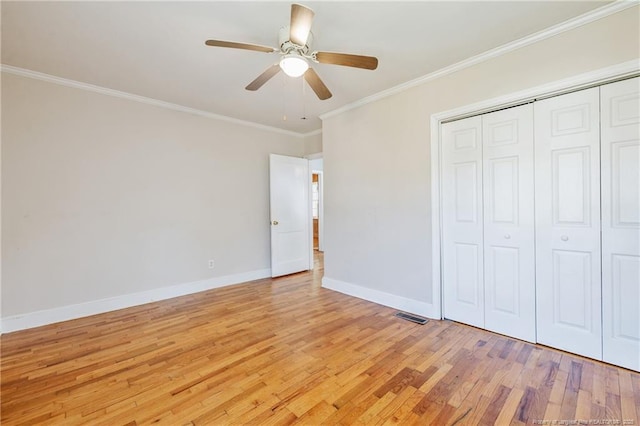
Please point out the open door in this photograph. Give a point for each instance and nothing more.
(290, 215)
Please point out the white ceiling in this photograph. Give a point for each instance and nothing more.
(157, 50)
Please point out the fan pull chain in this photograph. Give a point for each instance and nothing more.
(304, 100)
(284, 99)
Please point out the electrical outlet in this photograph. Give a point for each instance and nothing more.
(212, 264)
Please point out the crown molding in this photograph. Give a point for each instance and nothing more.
(594, 15)
(10, 69)
(570, 24)
(313, 133)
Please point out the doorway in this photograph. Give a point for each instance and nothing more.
(315, 193)
(317, 196)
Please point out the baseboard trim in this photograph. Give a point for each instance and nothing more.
(94, 307)
(381, 298)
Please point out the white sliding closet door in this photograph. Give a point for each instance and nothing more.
(462, 221)
(509, 262)
(621, 222)
(567, 180)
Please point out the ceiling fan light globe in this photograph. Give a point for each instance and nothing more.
(294, 65)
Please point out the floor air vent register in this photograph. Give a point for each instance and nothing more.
(412, 318)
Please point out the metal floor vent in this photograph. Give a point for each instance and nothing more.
(412, 318)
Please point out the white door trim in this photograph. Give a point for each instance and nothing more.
(581, 81)
(310, 214)
(320, 174)
(317, 156)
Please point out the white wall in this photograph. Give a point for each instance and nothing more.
(377, 200)
(313, 144)
(104, 197)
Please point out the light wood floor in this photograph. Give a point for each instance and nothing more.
(284, 351)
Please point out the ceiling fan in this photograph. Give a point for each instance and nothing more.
(295, 48)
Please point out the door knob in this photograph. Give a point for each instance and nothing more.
(564, 238)
(507, 236)
(275, 222)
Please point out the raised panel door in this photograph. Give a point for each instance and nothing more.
(290, 209)
(509, 262)
(620, 155)
(567, 211)
(462, 221)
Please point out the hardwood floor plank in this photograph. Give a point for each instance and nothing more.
(356, 410)
(396, 402)
(398, 382)
(635, 384)
(554, 405)
(495, 406)
(370, 416)
(405, 411)
(317, 414)
(570, 398)
(510, 406)
(283, 351)
(583, 405)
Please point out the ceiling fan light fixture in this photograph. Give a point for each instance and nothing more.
(294, 65)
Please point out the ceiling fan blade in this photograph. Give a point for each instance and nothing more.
(235, 45)
(301, 20)
(317, 85)
(264, 77)
(347, 60)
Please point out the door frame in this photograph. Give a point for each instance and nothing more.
(582, 81)
(320, 174)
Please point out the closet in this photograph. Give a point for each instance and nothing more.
(541, 222)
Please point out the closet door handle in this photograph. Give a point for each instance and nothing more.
(564, 238)
(507, 236)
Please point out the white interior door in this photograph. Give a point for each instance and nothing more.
(509, 258)
(620, 150)
(567, 191)
(290, 205)
(462, 221)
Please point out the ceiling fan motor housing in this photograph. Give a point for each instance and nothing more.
(286, 46)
